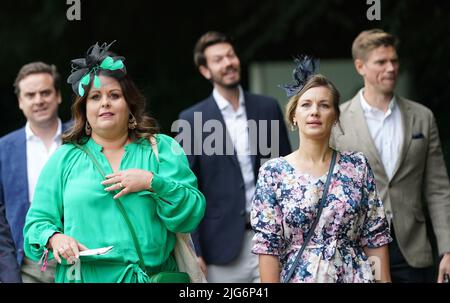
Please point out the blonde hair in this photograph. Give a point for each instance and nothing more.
(369, 40)
(317, 80)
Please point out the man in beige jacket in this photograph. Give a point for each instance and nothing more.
(400, 138)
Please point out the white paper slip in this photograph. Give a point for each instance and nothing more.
(96, 251)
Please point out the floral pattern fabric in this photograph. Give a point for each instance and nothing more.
(285, 206)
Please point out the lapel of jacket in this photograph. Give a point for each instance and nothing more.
(214, 113)
(251, 109)
(359, 126)
(407, 121)
(18, 152)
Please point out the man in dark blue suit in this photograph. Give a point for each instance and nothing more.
(23, 153)
(226, 138)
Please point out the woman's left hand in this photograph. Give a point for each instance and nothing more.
(130, 181)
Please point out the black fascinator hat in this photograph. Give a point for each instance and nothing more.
(306, 67)
(98, 58)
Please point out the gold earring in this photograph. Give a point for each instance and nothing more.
(294, 125)
(132, 122)
(88, 128)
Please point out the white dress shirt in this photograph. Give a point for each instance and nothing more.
(38, 154)
(386, 129)
(237, 127)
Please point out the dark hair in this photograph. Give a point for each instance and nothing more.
(317, 80)
(37, 68)
(369, 40)
(146, 125)
(208, 39)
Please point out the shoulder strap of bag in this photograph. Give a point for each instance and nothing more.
(120, 206)
(313, 226)
(154, 147)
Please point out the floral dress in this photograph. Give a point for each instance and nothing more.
(285, 206)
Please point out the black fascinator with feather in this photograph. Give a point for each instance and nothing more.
(98, 57)
(306, 67)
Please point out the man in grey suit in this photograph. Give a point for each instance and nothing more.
(400, 138)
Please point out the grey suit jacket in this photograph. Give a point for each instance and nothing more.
(420, 173)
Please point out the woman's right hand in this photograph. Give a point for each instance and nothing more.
(66, 247)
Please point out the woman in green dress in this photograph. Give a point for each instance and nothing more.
(74, 208)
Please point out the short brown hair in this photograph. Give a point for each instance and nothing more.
(37, 68)
(208, 39)
(317, 80)
(369, 40)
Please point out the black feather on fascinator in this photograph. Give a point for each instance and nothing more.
(306, 67)
(97, 58)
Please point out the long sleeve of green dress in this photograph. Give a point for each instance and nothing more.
(175, 185)
(69, 198)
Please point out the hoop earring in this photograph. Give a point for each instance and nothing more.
(132, 124)
(88, 128)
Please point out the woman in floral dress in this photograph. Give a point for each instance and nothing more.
(352, 232)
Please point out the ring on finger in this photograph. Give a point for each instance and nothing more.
(121, 185)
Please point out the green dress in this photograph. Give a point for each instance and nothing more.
(70, 199)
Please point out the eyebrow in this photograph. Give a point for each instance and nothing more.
(321, 101)
(96, 90)
(227, 53)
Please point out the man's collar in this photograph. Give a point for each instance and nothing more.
(368, 108)
(223, 103)
(29, 134)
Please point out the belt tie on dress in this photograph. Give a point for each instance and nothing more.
(135, 273)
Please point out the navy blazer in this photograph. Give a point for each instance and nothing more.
(13, 197)
(219, 237)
